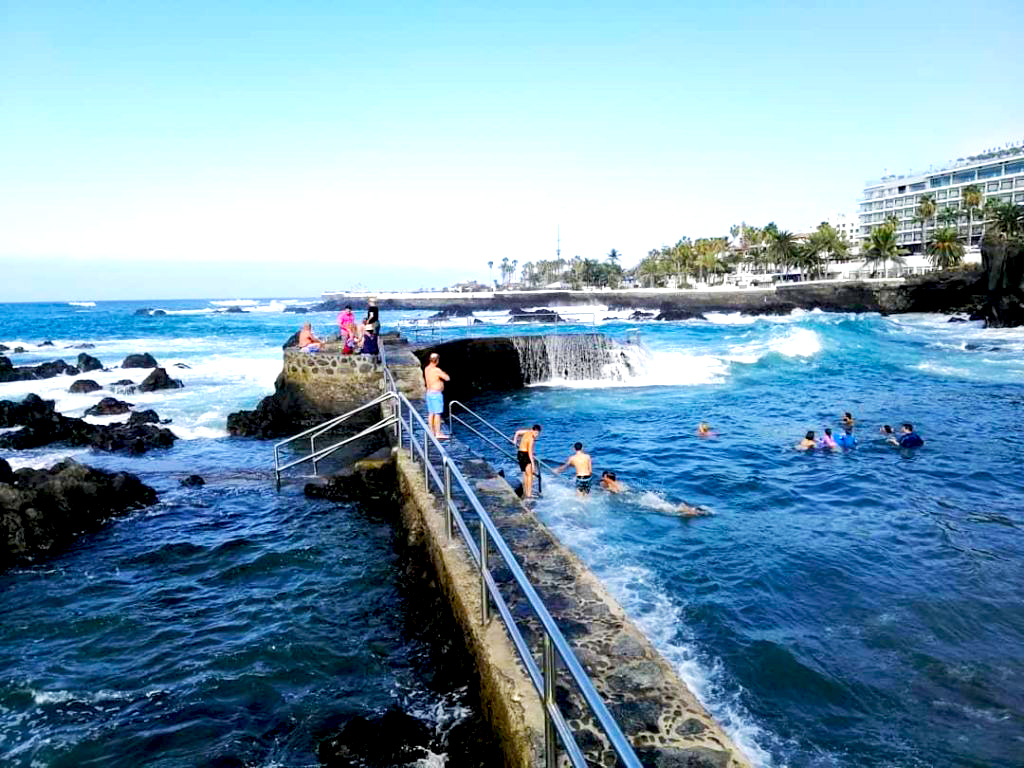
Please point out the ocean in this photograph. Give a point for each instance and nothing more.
(862, 608)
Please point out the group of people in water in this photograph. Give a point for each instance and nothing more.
(845, 440)
(356, 338)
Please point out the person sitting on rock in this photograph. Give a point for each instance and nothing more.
(370, 345)
(307, 341)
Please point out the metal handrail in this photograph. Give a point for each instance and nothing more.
(555, 646)
(541, 464)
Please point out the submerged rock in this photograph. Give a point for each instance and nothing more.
(144, 360)
(46, 343)
(148, 416)
(235, 311)
(41, 510)
(108, 406)
(159, 379)
(192, 481)
(672, 313)
(371, 479)
(4, 348)
(297, 310)
(518, 315)
(84, 387)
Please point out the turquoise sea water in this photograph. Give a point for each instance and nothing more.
(862, 608)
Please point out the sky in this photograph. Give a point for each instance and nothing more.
(241, 149)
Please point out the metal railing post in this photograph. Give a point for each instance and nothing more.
(426, 460)
(540, 478)
(448, 501)
(485, 602)
(550, 745)
(398, 423)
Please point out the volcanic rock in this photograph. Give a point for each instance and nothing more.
(678, 314)
(394, 738)
(144, 360)
(84, 387)
(182, 365)
(108, 406)
(46, 343)
(159, 379)
(4, 348)
(42, 510)
(42, 425)
(452, 311)
(518, 315)
(149, 416)
(88, 363)
(283, 413)
(85, 345)
(19, 350)
(296, 309)
(143, 311)
(192, 481)
(30, 372)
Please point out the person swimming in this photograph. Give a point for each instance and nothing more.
(848, 420)
(846, 440)
(908, 437)
(610, 483)
(807, 444)
(827, 442)
(704, 430)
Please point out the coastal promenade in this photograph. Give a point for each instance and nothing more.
(936, 292)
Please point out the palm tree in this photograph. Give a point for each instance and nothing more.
(515, 266)
(972, 197)
(947, 216)
(882, 247)
(613, 256)
(783, 249)
(504, 270)
(925, 210)
(490, 268)
(945, 249)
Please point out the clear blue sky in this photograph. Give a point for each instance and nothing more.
(225, 149)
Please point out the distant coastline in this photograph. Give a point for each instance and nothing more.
(954, 291)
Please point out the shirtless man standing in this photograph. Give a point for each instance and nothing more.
(580, 461)
(435, 378)
(524, 454)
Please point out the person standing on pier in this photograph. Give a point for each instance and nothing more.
(524, 440)
(434, 378)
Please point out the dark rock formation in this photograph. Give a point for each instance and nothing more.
(19, 350)
(108, 406)
(84, 345)
(182, 365)
(518, 315)
(477, 366)
(46, 343)
(88, 363)
(144, 360)
(677, 314)
(123, 383)
(283, 413)
(452, 311)
(293, 341)
(42, 425)
(392, 739)
(370, 481)
(8, 372)
(4, 348)
(159, 379)
(296, 309)
(192, 481)
(150, 312)
(148, 416)
(84, 387)
(1003, 258)
(42, 510)
(235, 311)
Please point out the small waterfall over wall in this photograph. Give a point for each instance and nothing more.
(571, 357)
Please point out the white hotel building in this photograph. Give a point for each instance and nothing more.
(998, 174)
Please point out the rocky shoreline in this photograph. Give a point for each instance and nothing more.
(44, 509)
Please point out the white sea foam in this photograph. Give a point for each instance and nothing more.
(82, 303)
(795, 342)
(46, 459)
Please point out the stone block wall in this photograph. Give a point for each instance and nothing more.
(335, 383)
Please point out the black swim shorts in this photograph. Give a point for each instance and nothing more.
(583, 483)
(524, 459)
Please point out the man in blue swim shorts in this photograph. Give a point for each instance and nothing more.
(434, 378)
(584, 467)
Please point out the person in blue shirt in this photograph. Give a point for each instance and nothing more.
(846, 440)
(908, 437)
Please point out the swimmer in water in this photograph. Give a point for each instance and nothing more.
(610, 483)
(686, 510)
(886, 430)
(704, 430)
(581, 462)
(848, 419)
(827, 442)
(807, 444)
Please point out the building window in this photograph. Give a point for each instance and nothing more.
(993, 186)
(1006, 184)
(917, 187)
(1020, 182)
(888, 203)
(940, 195)
(1019, 197)
(964, 176)
(990, 171)
(1017, 166)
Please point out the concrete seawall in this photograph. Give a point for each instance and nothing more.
(658, 713)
